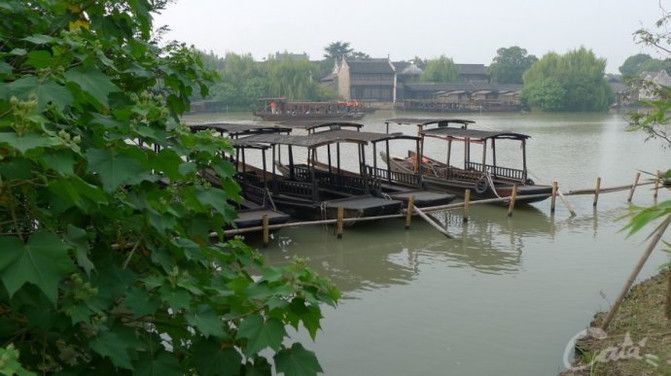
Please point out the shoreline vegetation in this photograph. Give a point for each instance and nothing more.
(638, 340)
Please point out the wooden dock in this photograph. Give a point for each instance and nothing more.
(405, 213)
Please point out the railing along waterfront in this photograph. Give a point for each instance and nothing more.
(498, 171)
(404, 178)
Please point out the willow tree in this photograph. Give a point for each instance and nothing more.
(112, 255)
(293, 79)
(574, 81)
(441, 69)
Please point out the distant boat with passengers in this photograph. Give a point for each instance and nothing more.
(281, 109)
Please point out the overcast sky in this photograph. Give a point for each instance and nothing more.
(469, 31)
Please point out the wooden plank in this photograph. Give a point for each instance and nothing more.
(511, 204)
(266, 231)
(633, 187)
(596, 191)
(467, 202)
(408, 213)
(553, 198)
(339, 223)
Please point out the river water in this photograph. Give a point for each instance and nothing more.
(507, 294)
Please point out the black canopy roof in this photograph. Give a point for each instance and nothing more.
(239, 128)
(314, 124)
(442, 122)
(473, 134)
(320, 139)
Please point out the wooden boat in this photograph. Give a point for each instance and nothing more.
(303, 192)
(280, 109)
(484, 180)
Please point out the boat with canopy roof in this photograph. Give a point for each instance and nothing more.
(485, 180)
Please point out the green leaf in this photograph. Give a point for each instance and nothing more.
(216, 198)
(43, 261)
(10, 362)
(79, 240)
(75, 191)
(114, 169)
(163, 365)
(110, 345)
(27, 142)
(93, 82)
(39, 39)
(167, 162)
(177, 299)
(46, 91)
(61, 161)
(140, 303)
(211, 360)
(261, 334)
(297, 361)
(39, 59)
(206, 321)
(18, 52)
(5, 69)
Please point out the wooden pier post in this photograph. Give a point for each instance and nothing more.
(633, 187)
(408, 212)
(553, 199)
(467, 203)
(658, 178)
(596, 191)
(339, 223)
(513, 197)
(266, 231)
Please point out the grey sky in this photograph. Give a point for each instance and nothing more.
(469, 31)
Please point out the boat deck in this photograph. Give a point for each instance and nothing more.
(423, 198)
(254, 217)
(359, 206)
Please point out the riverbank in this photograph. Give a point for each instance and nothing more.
(639, 337)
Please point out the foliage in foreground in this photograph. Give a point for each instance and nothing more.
(107, 262)
(573, 81)
(655, 123)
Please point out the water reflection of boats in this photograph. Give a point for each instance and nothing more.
(379, 255)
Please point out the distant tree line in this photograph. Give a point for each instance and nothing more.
(242, 80)
(635, 65)
(574, 81)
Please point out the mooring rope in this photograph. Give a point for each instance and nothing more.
(491, 184)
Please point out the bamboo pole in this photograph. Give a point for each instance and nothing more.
(339, 223)
(266, 231)
(430, 221)
(467, 199)
(619, 188)
(553, 201)
(637, 269)
(511, 204)
(409, 210)
(568, 205)
(633, 187)
(658, 178)
(596, 191)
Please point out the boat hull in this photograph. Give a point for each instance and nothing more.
(526, 193)
(283, 117)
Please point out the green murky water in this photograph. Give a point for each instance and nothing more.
(507, 294)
